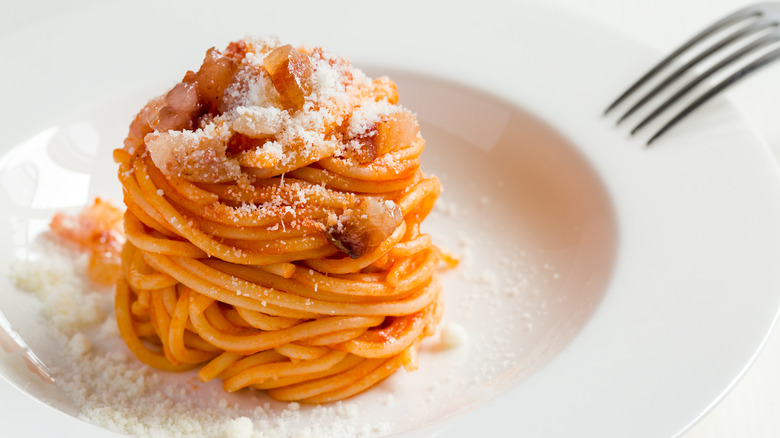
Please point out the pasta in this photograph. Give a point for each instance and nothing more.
(274, 201)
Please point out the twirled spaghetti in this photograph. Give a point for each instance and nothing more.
(274, 201)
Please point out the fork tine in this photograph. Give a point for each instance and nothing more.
(718, 25)
(753, 46)
(728, 40)
(735, 77)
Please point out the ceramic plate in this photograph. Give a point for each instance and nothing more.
(606, 289)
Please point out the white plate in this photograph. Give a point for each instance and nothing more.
(612, 290)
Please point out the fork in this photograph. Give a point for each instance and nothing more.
(760, 21)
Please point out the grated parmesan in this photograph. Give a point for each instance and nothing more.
(111, 389)
(452, 335)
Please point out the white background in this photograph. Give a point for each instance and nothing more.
(752, 407)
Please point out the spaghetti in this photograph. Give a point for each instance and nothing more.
(274, 201)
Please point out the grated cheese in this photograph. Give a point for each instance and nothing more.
(111, 389)
(452, 335)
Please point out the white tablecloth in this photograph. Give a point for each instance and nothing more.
(752, 407)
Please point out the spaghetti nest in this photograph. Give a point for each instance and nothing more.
(274, 201)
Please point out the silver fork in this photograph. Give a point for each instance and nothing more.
(760, 21)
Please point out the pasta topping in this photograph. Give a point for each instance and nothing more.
(97, 229)
(291, 73)
(365, 227)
